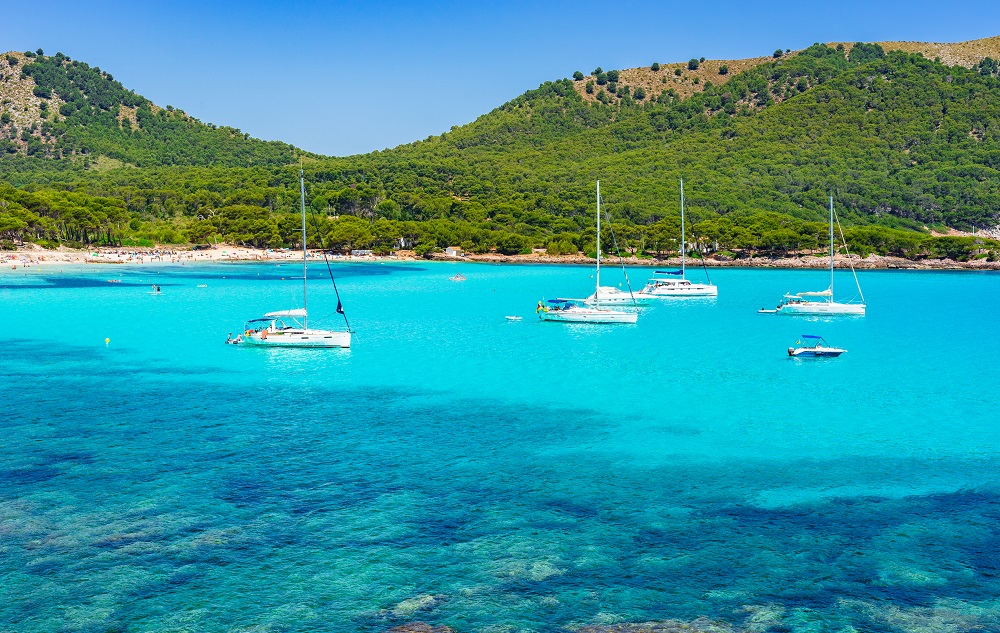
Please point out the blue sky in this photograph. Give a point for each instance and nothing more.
(342, 78)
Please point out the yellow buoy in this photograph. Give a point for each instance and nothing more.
(106, 341)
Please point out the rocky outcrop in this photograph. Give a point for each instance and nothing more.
(872, 262)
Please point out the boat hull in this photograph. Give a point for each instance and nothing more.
(624, 299)
(816, 352)
(821, 308)
(299, 338)
(686, 290)
(588, 316)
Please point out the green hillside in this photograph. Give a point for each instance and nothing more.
(83, 113)
(902, 143)
(897, 136)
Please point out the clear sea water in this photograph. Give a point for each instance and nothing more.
(459, 469)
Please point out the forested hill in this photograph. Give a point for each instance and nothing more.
(896, 137)
(902, 140)
(55, 107)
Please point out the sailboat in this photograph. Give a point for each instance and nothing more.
(585, 310)
(821, 302)
(290, 328)
(673, 283)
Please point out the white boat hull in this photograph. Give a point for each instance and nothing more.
(588, 315)
(580, 310)
(694, 290)
(815, 352)
(614, 296)
(298, 338)
(672, 288)
(821, 308)
(803, 303)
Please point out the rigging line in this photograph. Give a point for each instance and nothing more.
(618, 250)
(703, 265)
(849, 260)
(340, 306)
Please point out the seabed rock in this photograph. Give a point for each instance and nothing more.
(408, 607)
(420, 627)
(700, 625)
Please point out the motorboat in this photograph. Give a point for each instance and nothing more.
(813, 346)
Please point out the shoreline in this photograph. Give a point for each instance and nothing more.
(37, 256)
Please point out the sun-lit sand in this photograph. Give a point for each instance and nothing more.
(32, 255)
(37, 256)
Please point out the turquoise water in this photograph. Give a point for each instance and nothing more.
(463, 470)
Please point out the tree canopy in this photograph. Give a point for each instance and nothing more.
(902, 142)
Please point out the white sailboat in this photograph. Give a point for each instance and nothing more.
(290, 328)
(821, 302)
(609, 295)
(583, 310)
(674, 283)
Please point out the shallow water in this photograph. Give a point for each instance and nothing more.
(463, 470)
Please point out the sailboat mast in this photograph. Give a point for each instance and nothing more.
(683, 244)
(302, 193)
(597, 291)
(831, 248)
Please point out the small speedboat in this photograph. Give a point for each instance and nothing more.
(457, 277)
(813, 346)
(513, 318)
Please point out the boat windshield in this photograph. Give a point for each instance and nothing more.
(811, 340)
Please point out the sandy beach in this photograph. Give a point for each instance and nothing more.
(32, 255)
